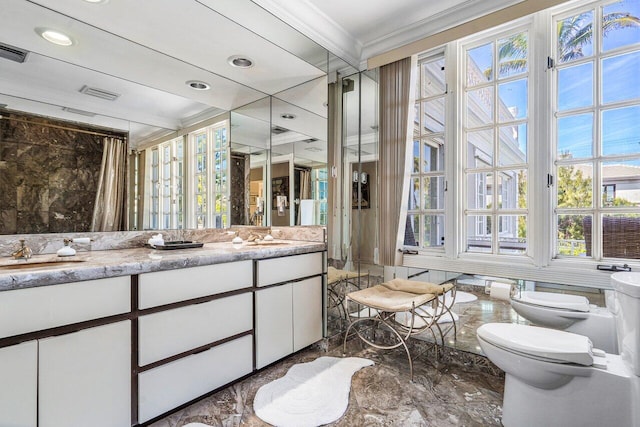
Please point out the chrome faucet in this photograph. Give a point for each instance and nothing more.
(24, 252)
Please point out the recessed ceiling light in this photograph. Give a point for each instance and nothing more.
(55, 37)
(240, 61)
(288, 116)
(198, 85)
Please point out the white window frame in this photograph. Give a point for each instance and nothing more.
(172, 213)
(496, 212)
(598, 209)
(213, 190)
(420, 211)
(540, 265)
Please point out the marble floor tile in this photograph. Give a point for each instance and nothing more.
(449, 391)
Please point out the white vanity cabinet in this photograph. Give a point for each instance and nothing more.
(197, 335)
(19, 385)
(67, 376)
(288, 315)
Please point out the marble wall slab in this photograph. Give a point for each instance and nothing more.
(48, 175)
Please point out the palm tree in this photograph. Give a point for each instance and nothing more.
(573, 34)
(577, 31)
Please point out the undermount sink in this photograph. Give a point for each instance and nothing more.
(40, 264)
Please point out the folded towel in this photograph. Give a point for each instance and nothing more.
(416, 287)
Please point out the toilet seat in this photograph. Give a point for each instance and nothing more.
(555, 300)
(540, 343)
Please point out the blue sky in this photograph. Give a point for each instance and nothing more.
(620, 127)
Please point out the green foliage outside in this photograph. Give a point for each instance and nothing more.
(575, 191)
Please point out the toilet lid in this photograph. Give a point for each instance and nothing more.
(549, 344)
(554, 300)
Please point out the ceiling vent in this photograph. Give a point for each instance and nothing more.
(13, 53)
(99, 93)
(277, 130)
(76, 111)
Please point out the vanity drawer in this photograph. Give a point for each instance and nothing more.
(278, 270)
(35, 309)
(166, 387)
(172, 332)
(166, 287)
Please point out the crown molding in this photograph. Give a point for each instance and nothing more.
(459, 14)
(316, 25)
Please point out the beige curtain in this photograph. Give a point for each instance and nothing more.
(334, 157)
(395, 127)
(110, 207)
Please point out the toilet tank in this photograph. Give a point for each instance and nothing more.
(627, 313)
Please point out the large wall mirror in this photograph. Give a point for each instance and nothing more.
(279, 152)
(150, 73)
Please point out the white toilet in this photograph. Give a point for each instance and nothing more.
(556, 378)
(571, 313)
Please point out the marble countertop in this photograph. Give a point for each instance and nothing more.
(54, 270)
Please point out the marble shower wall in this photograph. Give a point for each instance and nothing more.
(240, 168)
(48, 175)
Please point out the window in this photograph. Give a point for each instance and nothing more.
(495, 126)
(211, 190)
(544, 151)
(200, 178)
(597, 124)
(184, 190)
(319, 193)
(425, 214)
(166, 196)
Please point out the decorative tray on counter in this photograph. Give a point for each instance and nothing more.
(178, 244)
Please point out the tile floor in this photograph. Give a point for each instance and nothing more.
(445, 392)
(462, 388)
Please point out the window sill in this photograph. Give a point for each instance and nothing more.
(567, 272)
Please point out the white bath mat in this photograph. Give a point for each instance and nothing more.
(461, 297)
(310, 394)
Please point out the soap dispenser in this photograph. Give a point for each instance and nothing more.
(66, 250)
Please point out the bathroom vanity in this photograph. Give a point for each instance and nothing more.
(119, 338)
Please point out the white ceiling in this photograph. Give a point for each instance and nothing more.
(145, 51)
(356, 30)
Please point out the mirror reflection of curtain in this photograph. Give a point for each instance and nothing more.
(110, 207)
(395, 131)
(305, 191)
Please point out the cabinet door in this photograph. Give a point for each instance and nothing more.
(19, 385)
(307, 312)
(85, 378)
(274, 324)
